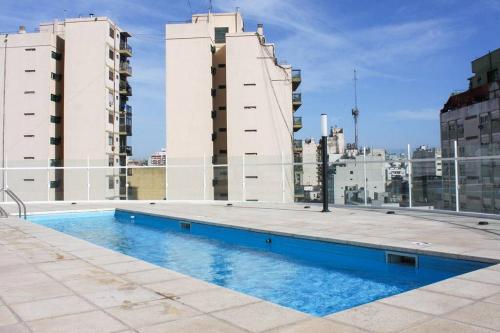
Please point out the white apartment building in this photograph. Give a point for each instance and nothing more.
(158, 158)
(64, 103)
(230, 106)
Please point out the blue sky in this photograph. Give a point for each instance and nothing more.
(410, 56)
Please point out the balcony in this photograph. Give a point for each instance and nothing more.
(126, 129)
(125, 49)
(296, 78)
(296, 101)
(125, 108)
(125, 68)
(297, 123)
(126, 150)
(297, 145)
(125, 88)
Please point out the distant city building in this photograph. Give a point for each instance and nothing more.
(64, 95)
(427, 182)
(158, 158)
(230, 102)
(335, 141)
(472, 118)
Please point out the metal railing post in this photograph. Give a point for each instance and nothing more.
(410, 175)
(457, 198)
(365, 176)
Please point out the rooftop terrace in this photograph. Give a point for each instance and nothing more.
(53, 282)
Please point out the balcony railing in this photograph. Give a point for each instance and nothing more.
(125, 108)
(126, 150)
(125, 49)
(297, 123)
(125, 88)
(125, 68)
(297, 145)
(296, 100)
(296, 78)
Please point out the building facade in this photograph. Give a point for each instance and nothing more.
(64, 103)
(427, 181)
(158, 158)
(230, 106)
(472, 119)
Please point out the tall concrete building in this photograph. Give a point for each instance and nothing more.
(472, 118)
(64, 103)
(427, 182)
(230, 104)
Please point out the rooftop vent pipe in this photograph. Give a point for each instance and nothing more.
(22, 29)
(260, 29)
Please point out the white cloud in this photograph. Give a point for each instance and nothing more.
(422, 114)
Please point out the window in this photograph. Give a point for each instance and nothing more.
(492, 75)
(29, 179)
(220, 34)
(29, 113)
(251, 154)
(55, 140)
(213, 92)
(111, 55)
(251, 177)
(111, 118)
(29, 136)
(56, 77)
(223, 151)
(222, 108)
(54, 183)
(112, 33)
(111, 99)
(56, 55)
(111, 161)
(221, 65)
(55, 119)
(213, 70)
(222, 86)
(28, 157)
(55, 98)
(111, 183)
(111, 75)
(110, 140)
(54, 162)
(29, 92)
(29, 70)
(30, 49)
(222, 129)
(250, 107)
(250, 130)
(249, 84)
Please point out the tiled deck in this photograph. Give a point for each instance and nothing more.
(52, 282)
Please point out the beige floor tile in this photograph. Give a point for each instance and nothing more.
(258, 317)
(483, 275)
(64, 264)
(316, 325)
(17, 328)
(128, 267)
(92, 285)
(379, 317)
(480, 314)
(150, 313)
(216, 299)
(121, 296)
(464, 288)
(180, 287)
(89, 322)
(6, 317)
(33, 292)
(152, 276)
(446, 326)
(51, 307)
(78, 273)
(426, 301)
(493, 299)
(204, 323)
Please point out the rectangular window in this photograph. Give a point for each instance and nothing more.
(55, 98)
(30, 49)
(222, 129)
(213, 92)
(29, 70)
(54, 183)
(251, 177)
(471, 137)
(251, 154)
(29, 179)
(112, 33)
(111, 183)
(110, 140)
(111, 55)
(250, 107)
(248, 84)
(55, 119)
(223, 151)
(28, 157)
(55, 77)
(29, 136)
(111, 161)
(29, 113)
(56, 55)
(55, 141)
(471, 117)
(250, 130)
(222, 86)
(29, 92)
(111, 76)
(222, 108)
(221, 65)
(220, 34)
(111, 118)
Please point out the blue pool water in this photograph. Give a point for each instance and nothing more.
(315, 277)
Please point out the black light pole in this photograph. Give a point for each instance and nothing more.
(324, 158)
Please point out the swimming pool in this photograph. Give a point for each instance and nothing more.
(315, 277)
